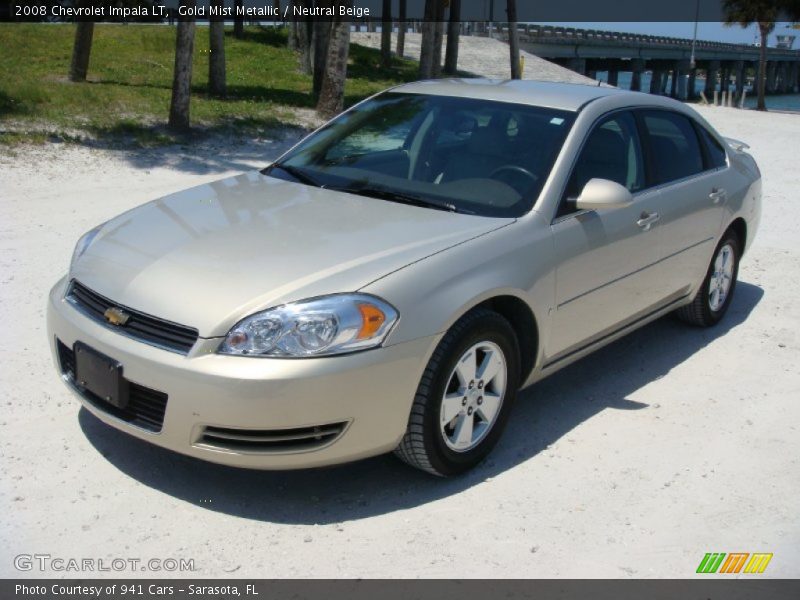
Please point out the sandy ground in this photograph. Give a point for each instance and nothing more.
(485, 57)
(634, 462)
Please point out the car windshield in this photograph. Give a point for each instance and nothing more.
(459, 154)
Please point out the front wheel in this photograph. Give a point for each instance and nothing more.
(715, 294)
(465, 396)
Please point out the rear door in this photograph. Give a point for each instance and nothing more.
(688, 168)
(606, 258)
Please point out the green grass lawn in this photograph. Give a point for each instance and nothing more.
(130, 77)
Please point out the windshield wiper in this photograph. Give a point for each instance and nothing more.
(393, 196)
(301, 176)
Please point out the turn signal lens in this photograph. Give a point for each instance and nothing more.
(372, 319)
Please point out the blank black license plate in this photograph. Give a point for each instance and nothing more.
(100, 375)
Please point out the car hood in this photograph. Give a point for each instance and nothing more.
(210, 255)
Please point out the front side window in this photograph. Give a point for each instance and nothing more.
(612, 151)
(460, 154)
(673, 144)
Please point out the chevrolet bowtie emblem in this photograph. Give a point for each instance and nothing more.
(116, 316)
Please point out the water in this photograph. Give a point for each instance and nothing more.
(784, 102)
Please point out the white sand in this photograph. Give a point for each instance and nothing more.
(634, 462)
(481, 56)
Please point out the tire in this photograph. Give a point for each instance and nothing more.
(438, 446)
(704, 310)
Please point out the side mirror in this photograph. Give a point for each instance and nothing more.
(603, 193)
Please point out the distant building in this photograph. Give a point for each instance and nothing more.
(784, 42)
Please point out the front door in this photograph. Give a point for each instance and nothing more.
(607, 258)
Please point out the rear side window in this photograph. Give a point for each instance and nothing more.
(674, 147)
(715, 152)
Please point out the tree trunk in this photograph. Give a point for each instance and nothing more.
(81, 51)
(513, 39)
(292, 38)
(426, 49)
(238, 20)
(453, 32)
(331, 97)
(216, 58)
(386, 34)
(401, 29)
(762, 66)
(304, 39)
(438, 38)
(182, 75)
(322, 34)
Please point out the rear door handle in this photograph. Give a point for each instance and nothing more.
(647, 219)
(717, 195)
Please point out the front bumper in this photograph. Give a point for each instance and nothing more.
(368, 393)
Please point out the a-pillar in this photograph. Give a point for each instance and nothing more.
(711, 78)
(637, 67)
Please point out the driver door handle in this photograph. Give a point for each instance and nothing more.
(647, 219)
(717, 195)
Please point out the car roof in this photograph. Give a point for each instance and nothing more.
(550, 94)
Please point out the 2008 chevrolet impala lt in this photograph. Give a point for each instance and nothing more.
(393, 280)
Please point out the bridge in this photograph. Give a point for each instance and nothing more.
(588, 51)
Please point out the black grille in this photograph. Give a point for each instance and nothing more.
(271, 440)
(140, 326)
(146, 407)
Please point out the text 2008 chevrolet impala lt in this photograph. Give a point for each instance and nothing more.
(393, 280)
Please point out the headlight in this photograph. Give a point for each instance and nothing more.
(319, 327)
(83, 243)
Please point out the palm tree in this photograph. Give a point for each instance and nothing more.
(320, 48)
(238, 20)
(305, 39)
(182, 75)
(331, 95)
(453, 31)
(216, 60)
(428, 33)
(81, 51)
(438, 38)
(513, 39)
(764, 13)
(386, 34)
(401, 31)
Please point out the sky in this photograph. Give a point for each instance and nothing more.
(705, 31)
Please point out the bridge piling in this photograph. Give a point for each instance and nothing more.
(739, 68)
(637, 66)
(711, 77)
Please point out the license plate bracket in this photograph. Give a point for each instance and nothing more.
(101, 375)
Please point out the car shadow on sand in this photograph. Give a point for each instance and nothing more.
(544, 413)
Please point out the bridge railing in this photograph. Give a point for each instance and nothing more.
(555, 34)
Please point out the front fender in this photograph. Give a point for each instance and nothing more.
(434, 293)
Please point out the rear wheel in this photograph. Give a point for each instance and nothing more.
(465, 396)
(715, 294)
